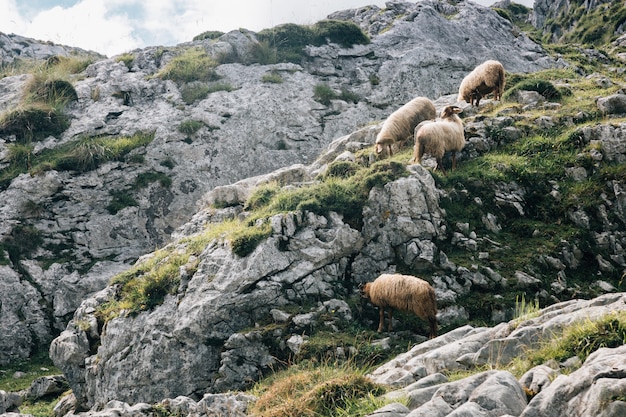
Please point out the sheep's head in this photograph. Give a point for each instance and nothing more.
(450, 110)
(364, 290)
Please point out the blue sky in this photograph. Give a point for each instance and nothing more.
(113, 27)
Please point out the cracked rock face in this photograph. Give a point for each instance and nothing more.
(254, 129)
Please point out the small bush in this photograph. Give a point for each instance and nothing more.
(189, 127)
(213, 88)
(194, 64)
(341, 169)
(209, 34)
(127, 59)
(262, 196)
(543, 87)
(272, 77)
(23, 241)
(349, 96)
(55, 92)
(33, 122)
(120, 200)
(320, 391)
(264, 53)
(344, 33)
(245, 240)
(323, 94)
(146, 178)
(190, 93)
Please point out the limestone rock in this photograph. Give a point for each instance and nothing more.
(255, 129)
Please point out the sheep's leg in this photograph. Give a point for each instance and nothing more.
(381, 320)
(440, 166)
(433, 327)
(390, 319)
(453, 160)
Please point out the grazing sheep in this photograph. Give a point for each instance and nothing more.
(439, 136)
(399, 126)
(402, 292)
(486, 78)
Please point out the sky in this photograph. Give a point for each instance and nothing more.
(112, 27)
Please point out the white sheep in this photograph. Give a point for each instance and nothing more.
(486, 78)
(399, 126)
(402, 292)
(446, 134)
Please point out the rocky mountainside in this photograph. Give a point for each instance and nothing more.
(66, 232)
(263, 249)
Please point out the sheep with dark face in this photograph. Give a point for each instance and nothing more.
(446, 134)
(486, 78)
(402, 292)
(399, 126)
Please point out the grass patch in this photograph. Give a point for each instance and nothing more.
(189, 127)
(578, 339)
(324, 94)
(272, 78)
(543, 87)
(193, 64)
(146, 285)
(144, 179)
(317, 390)
(346, 196)
(33, 122)
(286, 42)
(82, 155)
(127, 59)
(120, 200)
(37, 366)
(209, 34)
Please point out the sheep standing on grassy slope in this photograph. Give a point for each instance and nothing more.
(486, 78)
(402, 292)
(437, 137)
(399, 126)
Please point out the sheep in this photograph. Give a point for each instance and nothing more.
(486, 78)
(399, 126)
(437, 137)
(402, 292)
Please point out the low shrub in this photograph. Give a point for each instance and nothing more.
(194, 64)
(146, 178)
(209, 34)
(189, 127)
(272, 77)
(543, 87)
(127, 59)
(323, 94)
(33, 122)
(120, 200)
(317, 391)
(345, 33)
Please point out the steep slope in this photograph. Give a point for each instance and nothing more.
(136, 147)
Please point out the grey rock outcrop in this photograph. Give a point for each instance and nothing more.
(254, 129)
(594, 388)
(195, 332)
(15, 47)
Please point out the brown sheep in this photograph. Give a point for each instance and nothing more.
(402, 292)
(486, 78)
(399, 126)
(445, 134)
